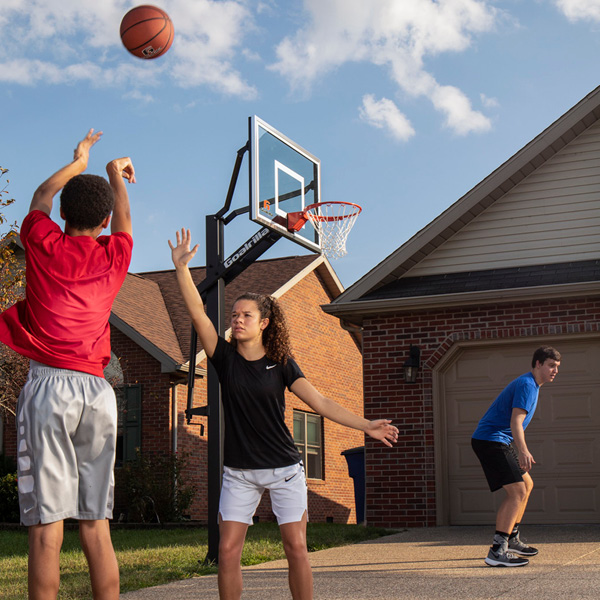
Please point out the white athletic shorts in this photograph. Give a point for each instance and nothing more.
(242, 490)
(66, 436)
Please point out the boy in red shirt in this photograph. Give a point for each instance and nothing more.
(66, 415)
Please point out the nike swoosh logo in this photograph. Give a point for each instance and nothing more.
(290, 478)
(26, 510)
(271, 366)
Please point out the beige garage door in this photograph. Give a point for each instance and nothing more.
(564, 435)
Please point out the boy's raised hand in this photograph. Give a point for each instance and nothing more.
(44, 194)
(82, 152)
(181, 253)
(121, 167)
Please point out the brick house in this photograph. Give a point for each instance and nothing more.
(151, 336)
(512, 265)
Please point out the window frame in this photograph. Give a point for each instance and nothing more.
(303, 446)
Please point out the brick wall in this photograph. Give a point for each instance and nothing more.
(401, 482)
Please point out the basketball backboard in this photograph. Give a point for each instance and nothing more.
(284, 178)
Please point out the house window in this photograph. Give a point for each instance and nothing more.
(129, 424)
(309, 441)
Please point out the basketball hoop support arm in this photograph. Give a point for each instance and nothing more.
(219, 272)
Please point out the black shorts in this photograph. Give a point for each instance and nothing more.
(500, 463)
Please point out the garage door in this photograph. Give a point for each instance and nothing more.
(564, 435)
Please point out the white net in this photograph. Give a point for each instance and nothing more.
(333, 221)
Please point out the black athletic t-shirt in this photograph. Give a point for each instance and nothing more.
(253, 393)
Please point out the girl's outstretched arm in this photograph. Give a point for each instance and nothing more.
(380, 429)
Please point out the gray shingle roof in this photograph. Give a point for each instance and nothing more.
(493, 279)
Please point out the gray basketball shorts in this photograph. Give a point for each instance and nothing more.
(66, 436)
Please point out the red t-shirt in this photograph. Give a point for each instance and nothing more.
(72, 282)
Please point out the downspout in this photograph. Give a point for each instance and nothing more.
(174, 418)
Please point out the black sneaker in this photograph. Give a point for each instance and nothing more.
(503, 558)
(516, 546)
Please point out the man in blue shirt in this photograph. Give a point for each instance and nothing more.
(499, 443)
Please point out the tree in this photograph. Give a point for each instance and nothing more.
(13, 366)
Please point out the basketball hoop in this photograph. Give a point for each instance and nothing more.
(333, 222)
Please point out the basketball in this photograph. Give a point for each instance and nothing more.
(147, 31)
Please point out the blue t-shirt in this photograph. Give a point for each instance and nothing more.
(495, 424)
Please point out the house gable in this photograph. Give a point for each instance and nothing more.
(553, 215)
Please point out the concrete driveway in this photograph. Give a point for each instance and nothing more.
(442, 562)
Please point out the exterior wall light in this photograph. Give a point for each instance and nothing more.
(411, 364)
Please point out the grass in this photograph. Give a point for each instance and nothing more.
(150, 557)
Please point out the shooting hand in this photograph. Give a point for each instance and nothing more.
(82, 152)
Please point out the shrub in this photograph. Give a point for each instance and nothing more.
(154, 488)
(7, 465)
(9, 499)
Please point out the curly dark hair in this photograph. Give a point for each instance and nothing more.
(275, 336)
(86, 201)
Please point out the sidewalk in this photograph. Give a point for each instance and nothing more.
(427, 564)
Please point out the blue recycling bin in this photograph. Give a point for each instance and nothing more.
(355, 457)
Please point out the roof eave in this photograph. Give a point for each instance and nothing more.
(356, 310)
(325, 270)
(167, 363)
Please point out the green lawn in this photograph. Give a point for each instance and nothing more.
(150, 557)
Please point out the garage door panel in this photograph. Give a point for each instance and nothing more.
(568, 502)
(564, 435)
(561, 453)
(469, 406)
(581, 452)
(469, 412)
(474, 505)
(580, 363)
(462, 455)
(577, 499)
(573, 405)
(483, 369)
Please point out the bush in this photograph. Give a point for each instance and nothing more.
(7, 465)
(9, 499)
(154, 488)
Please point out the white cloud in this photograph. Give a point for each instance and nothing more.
(579, 10)
(56, 41)
(460, 117)
(395, 35)
(30, 72)
(489, 102)
(384, 114)
(139, 97)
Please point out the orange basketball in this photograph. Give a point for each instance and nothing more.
(147, 31)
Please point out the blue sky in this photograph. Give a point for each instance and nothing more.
(407, 103)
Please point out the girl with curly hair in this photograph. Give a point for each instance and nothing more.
(254, 370)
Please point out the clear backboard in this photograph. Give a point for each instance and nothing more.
(284, 178)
